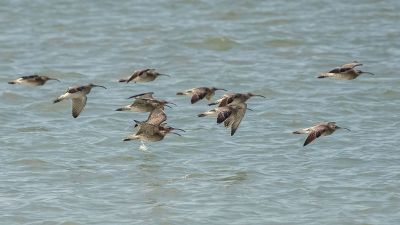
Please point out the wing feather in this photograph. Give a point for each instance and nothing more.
(77, 105)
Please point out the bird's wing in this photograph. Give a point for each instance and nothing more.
(143, 95)
(223, 113)
(147, 129)
(351, 65)
(30, 77)
(156, 117)
(340, 70)
(234, 120)
(198, 94)
(316, 132)
(77, 105)
(136, 74)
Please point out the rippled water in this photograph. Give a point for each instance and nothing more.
(60, 170)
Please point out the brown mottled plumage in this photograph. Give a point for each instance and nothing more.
(78, 96)
(32, 80)
(345, 72)
(319, 129)
(234, 98)
(200, 93)
(231, 115)
(144, 75)
(153, 129)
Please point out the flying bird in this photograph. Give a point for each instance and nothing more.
(234, 98)
(32, 80)
(78, 96)
(231, 115)
(200, 93)
(153, 129)
(319, 129)
(345, 72)
(145, 102)
(145, 75)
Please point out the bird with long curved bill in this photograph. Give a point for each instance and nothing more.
(199, 93)
(345, 72)
(144, 75)
(78, 97)
(32, 80)
(318, 130)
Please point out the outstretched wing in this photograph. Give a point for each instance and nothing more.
(156, 117)
(340, 70)
(351, 65)
(136, 74)
(223, 113)
(77, 105)
(315, 133)
(198, 94)
(234, 120)
(143, 95)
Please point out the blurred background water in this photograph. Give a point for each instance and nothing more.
(58, 170)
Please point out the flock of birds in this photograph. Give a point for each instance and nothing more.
(230, 108)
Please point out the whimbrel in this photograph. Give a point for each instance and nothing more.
(32, 80)
(144, 75)
(78, 96)
(231, 115)
(319, 129)
(234, 98)
(144, 103)
(199, 93)
(153, 129)
(345, 72)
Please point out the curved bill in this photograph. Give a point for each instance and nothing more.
(344, 128)
(172, 103)
(54, 79)
(94, 85)
(179, 129)
(260, 96)
(368, 73)
(176, 133)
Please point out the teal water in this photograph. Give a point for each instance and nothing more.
(58, 170)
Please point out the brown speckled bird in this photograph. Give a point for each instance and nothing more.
(231, 115)
(145, 75)
(78, 96)
(199, 93)
(153, 129)
(234, 98)
(319, 129)
(32, 80)
(345, 72)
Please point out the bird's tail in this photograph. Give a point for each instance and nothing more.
(12, 82)
(180, 93)
(208, 113)
(130, 138)
(213, 103)
(123, 80)
(325, 75)
(299, 132)
(58, 100)
(123, 109)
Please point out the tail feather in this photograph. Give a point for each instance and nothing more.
(201, 115)
(322, 76)
(123, 109)
(214, 103)
(123, 80)
(57, 100)
(180, 93)
(12, 82)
